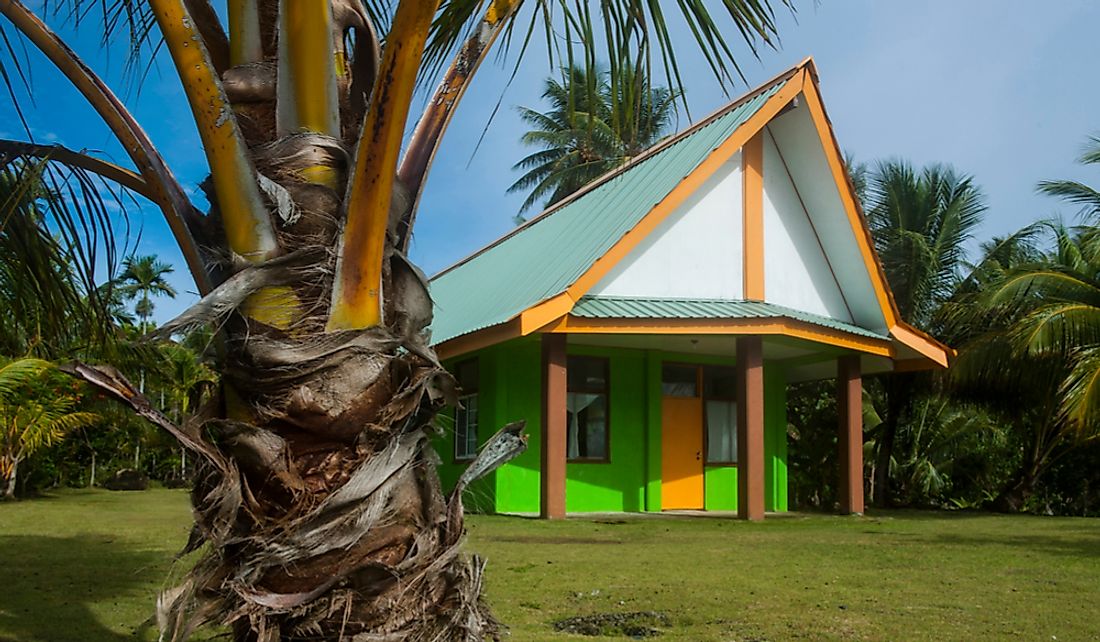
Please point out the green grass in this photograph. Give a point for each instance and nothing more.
(86, 565)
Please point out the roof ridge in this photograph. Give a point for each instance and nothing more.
(660, 146)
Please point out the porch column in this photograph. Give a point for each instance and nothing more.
(554, 418)
(750, 428)
(849, 404)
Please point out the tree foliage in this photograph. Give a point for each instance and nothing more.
(590, 128)
(33, 415)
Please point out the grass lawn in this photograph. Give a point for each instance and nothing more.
(85, 565)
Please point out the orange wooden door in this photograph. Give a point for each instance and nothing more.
(681, 453)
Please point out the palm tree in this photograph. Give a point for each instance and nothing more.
(31, 417)
(191, 382)
(1037, 353)
(142, 278)
(920, 223)
(319, 503)
(589, 130)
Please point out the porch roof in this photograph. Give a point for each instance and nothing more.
(613, 307)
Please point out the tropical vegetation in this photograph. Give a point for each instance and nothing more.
(591, 127)
(32, 417)
(1019, 406)
(921, 222)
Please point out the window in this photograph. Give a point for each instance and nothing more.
(720, 399)
(466, 414)
(587, 408)
(680, 381)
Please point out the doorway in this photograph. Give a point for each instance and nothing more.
(682, 483)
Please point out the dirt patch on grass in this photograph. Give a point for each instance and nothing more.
(637, 625)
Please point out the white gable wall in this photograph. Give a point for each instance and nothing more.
(797, 273)
(812, 261)
(797, 137)
(694, 253)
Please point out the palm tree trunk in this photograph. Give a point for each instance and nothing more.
(319, 496)
(1014, 496)
(1046, 437)
(884, 453)
(9, 486)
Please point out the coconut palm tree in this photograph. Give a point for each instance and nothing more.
(319, 503)
(589, 130)
(143, 278)
(921, 222)
(31, 417)
(1037, 354)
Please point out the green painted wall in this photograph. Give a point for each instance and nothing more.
(510, 382)
(653, 431)
(775, 439)
(479, 497)
(519, 386)
(720, 487)
(620, 484)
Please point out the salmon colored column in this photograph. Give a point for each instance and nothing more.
(552, 479)
(750, 428)
(849, 404)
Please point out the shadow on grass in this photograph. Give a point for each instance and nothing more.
(1075, 546)
(48, 584)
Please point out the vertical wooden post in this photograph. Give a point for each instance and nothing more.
(554, 418)
(849, 403)
(752, 194)
(750, 428)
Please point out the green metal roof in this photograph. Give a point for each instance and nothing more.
(545, 256)
(614, 307)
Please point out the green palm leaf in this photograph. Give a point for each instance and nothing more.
(1081, 393)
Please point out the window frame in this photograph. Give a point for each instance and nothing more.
(467, 394)
(606, 392)
(706, 425)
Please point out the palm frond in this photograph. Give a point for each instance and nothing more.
(19, 373)
(1058, 329)
(922, 222)
(1091, 155)
(130, 22)
(1047, 284)
(1080, 393)
(63, 232)
(1076, 193)
(630, 30)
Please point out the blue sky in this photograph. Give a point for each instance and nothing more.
(1001, 90)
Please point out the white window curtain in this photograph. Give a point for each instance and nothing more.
(721, 431)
